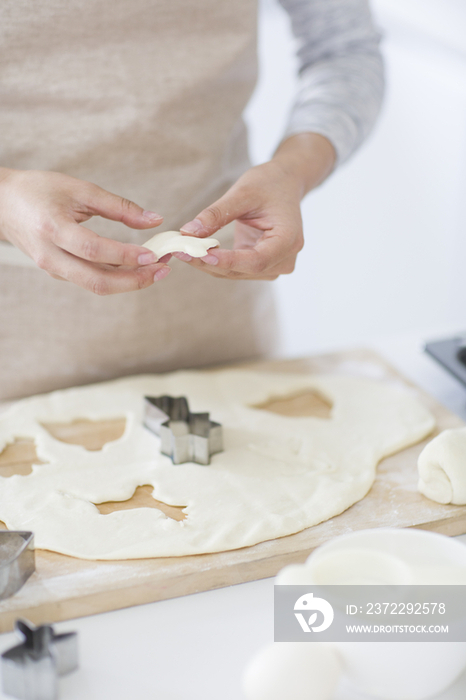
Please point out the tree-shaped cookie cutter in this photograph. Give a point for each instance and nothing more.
(30, 670)
(185, 436)
(17, 560)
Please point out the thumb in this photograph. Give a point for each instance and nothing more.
(216, 216)
(112, 206)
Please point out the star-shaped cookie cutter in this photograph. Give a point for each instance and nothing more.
(30, 670)
(185, 436)
(17, 560)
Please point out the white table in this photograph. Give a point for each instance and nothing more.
(196, 647)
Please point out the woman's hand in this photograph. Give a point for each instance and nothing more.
(265, 203)
(40, 213)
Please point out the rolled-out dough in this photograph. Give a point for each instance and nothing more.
(442, 468)
(277, 475)
(174, 242)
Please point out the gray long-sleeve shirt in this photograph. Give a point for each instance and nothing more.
(341, 71)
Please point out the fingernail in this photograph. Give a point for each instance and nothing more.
(147, 258)
(193, 226)
(151, 215)
(182, 256)
(210, 259)
(160, 274)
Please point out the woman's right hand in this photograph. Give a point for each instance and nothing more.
(40, 213)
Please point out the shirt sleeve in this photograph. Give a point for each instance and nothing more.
(341, 71)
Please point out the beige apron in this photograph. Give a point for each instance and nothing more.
(144, 98)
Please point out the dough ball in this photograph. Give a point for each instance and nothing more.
(442, 468)
(293, 671)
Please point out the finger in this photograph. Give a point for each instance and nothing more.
(255, 262)
(235, 275)
(231, 206)
(112, 206)
(100, 279)
(182, 256)
(83, 243)
(285, 267)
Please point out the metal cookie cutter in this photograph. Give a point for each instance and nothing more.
(185, 436)
(30, 670)
(17, 561)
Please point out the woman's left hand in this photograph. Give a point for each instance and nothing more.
(265, 204)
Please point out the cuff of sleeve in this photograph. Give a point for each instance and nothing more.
(339, 129)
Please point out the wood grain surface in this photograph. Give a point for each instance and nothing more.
(64, 587)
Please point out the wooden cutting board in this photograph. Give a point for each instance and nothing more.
(63, 587)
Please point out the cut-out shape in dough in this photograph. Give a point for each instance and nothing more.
(278, 475)
(18, 457)
(174, 242)
(142, 498)
(304, 403)
(92, 435)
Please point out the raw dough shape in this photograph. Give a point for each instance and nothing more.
(278, 475)
(442, 468)
(174, 242)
